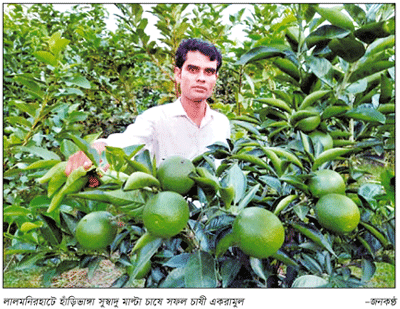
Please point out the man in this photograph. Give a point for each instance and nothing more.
(185, 127)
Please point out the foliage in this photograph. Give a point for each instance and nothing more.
(302, 68)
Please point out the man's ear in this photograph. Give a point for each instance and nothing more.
(177, 73)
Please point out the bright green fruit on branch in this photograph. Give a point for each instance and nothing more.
(173, 174)
(337, 213)
(258, 232)
(165, 214)
(96, 230)
(325, 182)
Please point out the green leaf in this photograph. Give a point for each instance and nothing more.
(16, 120)
(123, 198)
(175, 279)
(31, 84)
(296, 181)
(249, 197)
(57, 44)
(23, 248)
(66, 265)
(301, 211)
(145, 255)
(68, 222)
(42, 164)
(236, 177)
(322, 36)
(30, 262)
(39, 201)
(79, 81)
(365, 113)
(369, 69)
(178, 260)
(262, 52)
(70, 91)
(368, 270)
(357, 87)
(77, 116)
(29, 108)
(347, 48)
(46, 57)
(322, 68)
(336, 17)
(40, 152)
(310, 263)
(369, 191)
(93, 266)
(10, 213)
(200, 271)
(248, 126)
(315, 236)
(250, 82)
(257, 267)
(388, 182)
(229, 269)
(90, 152)
(68, 148)
(50, 230)
(284, 258)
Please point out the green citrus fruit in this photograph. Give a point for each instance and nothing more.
(258, 232)
(309, 281)
(173, 174)
(324, 138)
(325, 182)
(96, 230)
(165, 214)
(337, 213)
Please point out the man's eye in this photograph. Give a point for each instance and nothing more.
(192, 69)
(210, 71)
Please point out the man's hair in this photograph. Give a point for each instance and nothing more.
(206, 48)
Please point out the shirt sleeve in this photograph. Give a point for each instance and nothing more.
(138, 133)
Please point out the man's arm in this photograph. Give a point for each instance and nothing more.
(140, 132)
(79, 158)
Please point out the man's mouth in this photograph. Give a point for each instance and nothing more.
(200, 88)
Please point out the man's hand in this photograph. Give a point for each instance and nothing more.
(79, 159)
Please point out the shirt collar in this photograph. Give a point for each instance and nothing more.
(178, 110)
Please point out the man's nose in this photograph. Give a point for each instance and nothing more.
(201, 76)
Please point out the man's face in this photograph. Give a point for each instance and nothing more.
(197, 77)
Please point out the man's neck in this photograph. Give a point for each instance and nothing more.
(196, 110)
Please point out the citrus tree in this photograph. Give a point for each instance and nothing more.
(281, 205)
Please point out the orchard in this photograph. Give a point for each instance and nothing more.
(303, 195)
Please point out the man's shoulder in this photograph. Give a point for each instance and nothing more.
(160, 109)
(217, 114)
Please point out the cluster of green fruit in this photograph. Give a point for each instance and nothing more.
(165, 214)
(334, 210)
